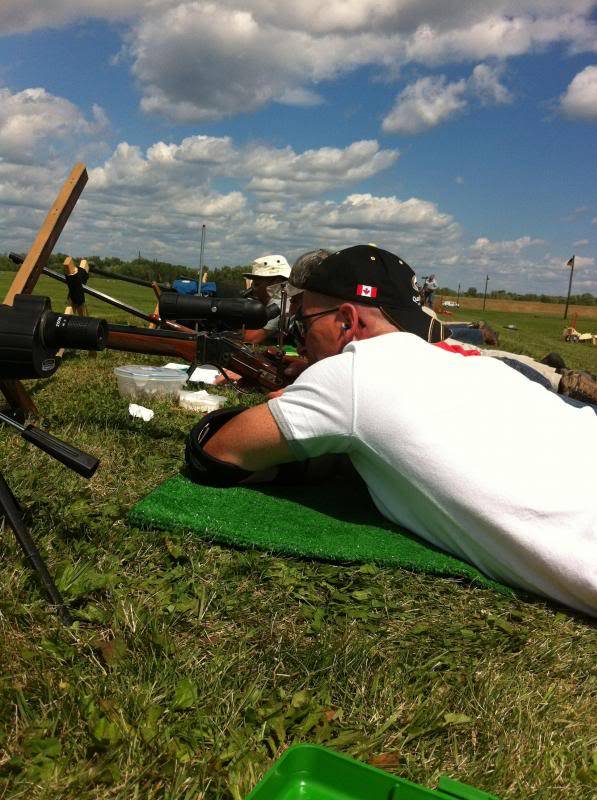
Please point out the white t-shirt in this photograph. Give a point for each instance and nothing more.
(465, 452)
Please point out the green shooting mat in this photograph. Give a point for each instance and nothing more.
(331, 521)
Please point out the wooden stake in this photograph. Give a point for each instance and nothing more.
(37, 258)
(157, 291)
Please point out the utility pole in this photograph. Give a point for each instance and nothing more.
(200, 281)
(569, 263)
(458, 296)
(485, 292)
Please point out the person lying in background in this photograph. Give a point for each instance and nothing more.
(417, 433)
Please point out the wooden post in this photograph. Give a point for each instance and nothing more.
(569, 263)
(36, 259)
(157, 291)
(485, 292)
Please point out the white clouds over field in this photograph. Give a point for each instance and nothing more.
(157, 199)
(200, 62)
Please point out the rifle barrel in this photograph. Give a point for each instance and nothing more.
(117, 276)
(113, 301)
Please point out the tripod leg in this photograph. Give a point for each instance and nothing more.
(12, 512)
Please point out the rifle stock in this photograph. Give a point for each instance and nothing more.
(199, 348)
(153, 342)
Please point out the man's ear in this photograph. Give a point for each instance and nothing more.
(350, 322)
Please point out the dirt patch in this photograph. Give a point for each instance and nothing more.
(528, 307)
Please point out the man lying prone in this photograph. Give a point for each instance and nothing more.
(411, 420)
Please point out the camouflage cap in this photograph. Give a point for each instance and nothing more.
(301, 269)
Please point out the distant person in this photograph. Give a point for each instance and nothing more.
(427, 290)
(268, 275)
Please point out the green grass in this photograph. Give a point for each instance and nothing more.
(192, 666)
(538, 335)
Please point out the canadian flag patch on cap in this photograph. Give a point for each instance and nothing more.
(366, 291)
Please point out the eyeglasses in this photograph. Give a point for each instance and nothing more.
(300, 327)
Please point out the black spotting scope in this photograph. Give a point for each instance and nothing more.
(233, 311)
(31, 334)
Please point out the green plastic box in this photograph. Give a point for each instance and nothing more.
(311, 772)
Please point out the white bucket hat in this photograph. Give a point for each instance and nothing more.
(269, 267)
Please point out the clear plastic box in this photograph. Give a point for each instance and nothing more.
(141, 381)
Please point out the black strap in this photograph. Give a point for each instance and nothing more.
(209, 471)
(203, 468)
(76, 294)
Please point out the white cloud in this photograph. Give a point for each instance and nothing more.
(580, 99)
(580, 243)
(33, 116)
(432, 100)
(158, 197)
(485, 246)
(409, 220)
(425, 104)
(314, 171)
(507, 255)
(484, 82)
(201, 59)
(267, 170)
(19, 16)
(300, 97)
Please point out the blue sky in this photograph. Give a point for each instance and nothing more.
(461, 135)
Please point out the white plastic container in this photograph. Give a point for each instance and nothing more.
(200, 401)
(142, 382)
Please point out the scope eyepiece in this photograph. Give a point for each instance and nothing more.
(76, 333)
(31, 333)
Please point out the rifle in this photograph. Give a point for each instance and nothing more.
(218, 349)
(165, 287)
(106, 298)
(178, 341)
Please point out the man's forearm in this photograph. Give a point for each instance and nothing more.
(252, 440)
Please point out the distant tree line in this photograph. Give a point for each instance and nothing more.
(230, 279)
(586, 299)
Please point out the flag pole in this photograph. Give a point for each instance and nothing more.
(200, 276)
(571, 263)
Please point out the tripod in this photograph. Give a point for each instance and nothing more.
(71, 457)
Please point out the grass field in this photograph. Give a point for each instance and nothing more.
(192, 666)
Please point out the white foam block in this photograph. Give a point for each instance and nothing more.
(174, 365)
(140, 412)
(206, 373)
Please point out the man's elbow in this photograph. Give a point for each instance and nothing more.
(217, 447)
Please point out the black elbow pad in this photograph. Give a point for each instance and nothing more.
(203, 468)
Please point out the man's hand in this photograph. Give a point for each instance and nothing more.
(251, 440)
(294, 366)
(231, 377)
